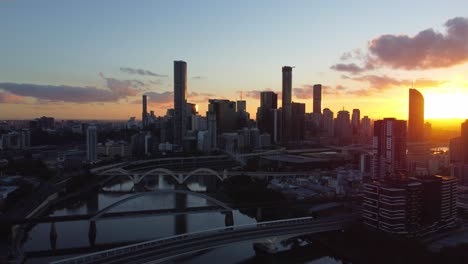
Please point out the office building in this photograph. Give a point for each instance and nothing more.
(389, 148)
(317, 103)
(144, 114)
(356, 121)
(241, 106)
(343, 131)
(297, 122)
(415, 116)
(226, 116)
(91, 143)
(267, 114)
(180, 100)
(328, 126)
(286, 104)
(212, 130)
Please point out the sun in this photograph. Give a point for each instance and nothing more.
(446, 102)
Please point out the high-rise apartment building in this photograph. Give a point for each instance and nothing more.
(389, 148)
(415, 116)
(411, 207)
(180, 101)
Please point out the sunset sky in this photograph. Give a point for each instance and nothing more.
(92, 59)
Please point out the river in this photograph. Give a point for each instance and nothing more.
(72, 237)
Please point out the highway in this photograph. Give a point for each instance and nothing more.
(164, 249)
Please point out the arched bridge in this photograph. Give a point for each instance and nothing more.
(179, 177)
(103, 211)
(168, 248)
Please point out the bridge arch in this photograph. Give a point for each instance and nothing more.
(159, 192)
(203, 170)
(159, 170)
(112, 172)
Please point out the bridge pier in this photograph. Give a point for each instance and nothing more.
(229, 219)
(53, 236)
(259, 216)
(92, 231)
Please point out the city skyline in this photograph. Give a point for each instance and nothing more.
(367, 71)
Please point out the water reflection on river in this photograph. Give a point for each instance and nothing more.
(73, 235)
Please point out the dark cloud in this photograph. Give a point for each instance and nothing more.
(123, 88)
(350, 67)
(63, 93)
(427, 49)
(141, 72)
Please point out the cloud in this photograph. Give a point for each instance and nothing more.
(255, 94)
(198, 77)
(196, 97)
(156, 82)
(428, 49)
(123, 88)
(350, 67)
(307, 90)
(160, 98)
(9, 98)
(381, 83)
(141, 72)
(62, 93)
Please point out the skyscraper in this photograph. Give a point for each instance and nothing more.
(180, 100)
(415, 116)
(317, 107)
(328, 122)
(297, 121)
(241, 106)
(266, 114)
(343, 128)
(144, 114)
(268, 100)
(91, 143)
(226, 116)
(286, 104)
(389, 148)
(356, 121)
(464, 141)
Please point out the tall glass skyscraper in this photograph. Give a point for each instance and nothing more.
(415, 116)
